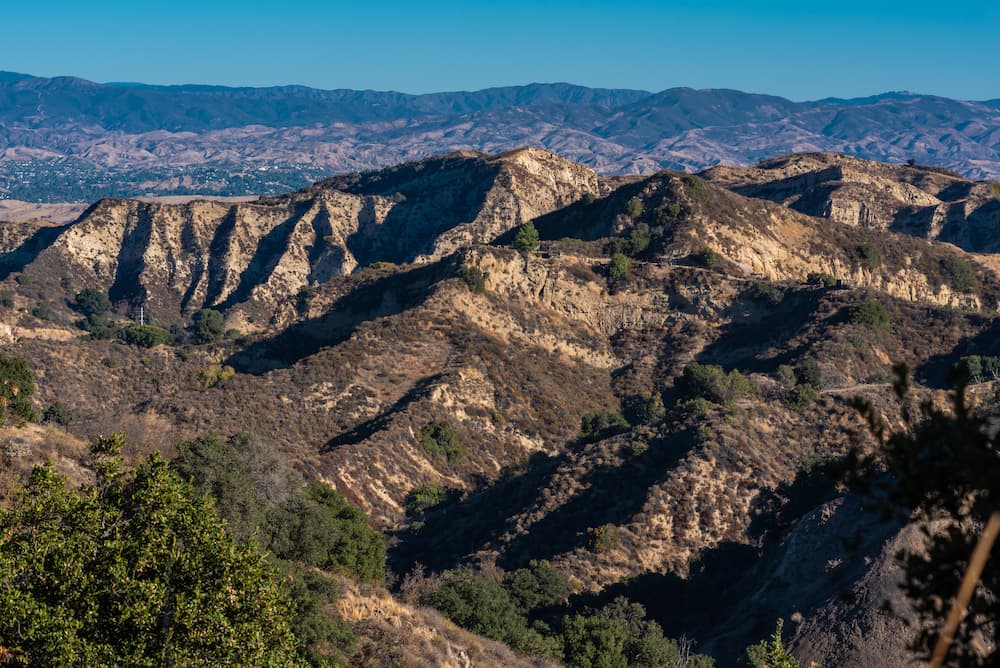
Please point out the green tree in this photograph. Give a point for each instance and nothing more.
(320, 528)
(134, 570)
(537, 586)
(619, 266)
(639, 239)
(209, 326)
(439, 439)
(526, 240)
(481, 606)
(594, 642)
(92, 303)
(870, 314)
(145, 336)
(17, 385)
(710, 382)
(634, 207)
(772, 653)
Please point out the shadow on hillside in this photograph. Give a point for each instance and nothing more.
(381, 421)
(430, 198)
(16, 260)
(735, 592)
(741, 343)
(270, 249)
(610, 495)
(935, 371)
(381, 297)
(451, 533)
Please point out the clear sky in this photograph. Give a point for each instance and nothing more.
(801, 50)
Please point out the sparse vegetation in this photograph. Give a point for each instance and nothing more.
(60, 414)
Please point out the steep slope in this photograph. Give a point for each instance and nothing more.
(920, 201)
(175, 259)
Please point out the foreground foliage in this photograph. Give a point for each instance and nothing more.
(134, 570)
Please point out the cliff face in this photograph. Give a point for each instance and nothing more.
(919, 201)
(176, 259)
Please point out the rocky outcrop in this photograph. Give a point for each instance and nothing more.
(920, 201)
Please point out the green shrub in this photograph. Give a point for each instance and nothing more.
(639, 239)
(821, 278)
(603, 538)
(526, 240)
(959, 273)
(475, 279)
(594, 426)
(42, 311)
(320, 528)
(772, 653)
(588, 198)
(645, 408)
(145, 336)
(785, 375)
(809, 373)
(6, 299)
(439, 439)
(618, 268)
(645, 644)
(710, 382)
(92, 303)
(802, 396)
(869, 256)
(208, 326)
(634, 207)
(697, 406)
(768, 293)
(215, 374)
(696, 188)
(17, 385)
(671, 210)
(537, 586)
(995, 187)
(978, 368)
(60, 414)
(870, 314)
(594, 642)
(481, 606)
(706, 257)
(424, 497)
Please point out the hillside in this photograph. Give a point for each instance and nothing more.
(67, 139)
(367, 310)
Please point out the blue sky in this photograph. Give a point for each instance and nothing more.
(793, 49)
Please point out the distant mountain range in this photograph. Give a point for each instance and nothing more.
(66, 138)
